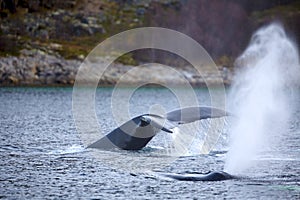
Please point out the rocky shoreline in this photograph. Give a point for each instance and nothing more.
(43, 43)
(37, 68)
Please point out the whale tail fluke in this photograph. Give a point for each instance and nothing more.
(191, 114)
(137, 132)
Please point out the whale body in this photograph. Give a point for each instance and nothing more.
(137, 132)
(211, 176)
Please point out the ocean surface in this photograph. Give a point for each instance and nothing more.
(44, 157)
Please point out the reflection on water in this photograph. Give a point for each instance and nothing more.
(42, 155)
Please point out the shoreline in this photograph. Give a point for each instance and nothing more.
(39, 69)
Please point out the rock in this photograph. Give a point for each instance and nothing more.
(13, 80)
(37, 68)
(55, 46)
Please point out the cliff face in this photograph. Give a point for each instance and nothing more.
(222, 27)
(215, 24)
(70, 29)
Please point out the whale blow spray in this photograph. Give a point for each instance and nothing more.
(260, 95)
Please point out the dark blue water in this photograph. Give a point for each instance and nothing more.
(43, 157)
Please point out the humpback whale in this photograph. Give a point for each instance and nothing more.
(137, 132)
(210, 176)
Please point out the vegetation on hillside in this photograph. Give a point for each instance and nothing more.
(72, 28)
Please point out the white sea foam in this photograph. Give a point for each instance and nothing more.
(68, 150)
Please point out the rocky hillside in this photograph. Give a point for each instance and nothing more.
(63, 32)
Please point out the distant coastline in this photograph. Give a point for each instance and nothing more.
(42, 43)
(38, 69)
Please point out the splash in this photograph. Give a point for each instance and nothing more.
(260, 95)
(68, 150)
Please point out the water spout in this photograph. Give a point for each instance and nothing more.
(260, 95)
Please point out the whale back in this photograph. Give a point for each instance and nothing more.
(211, 176)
